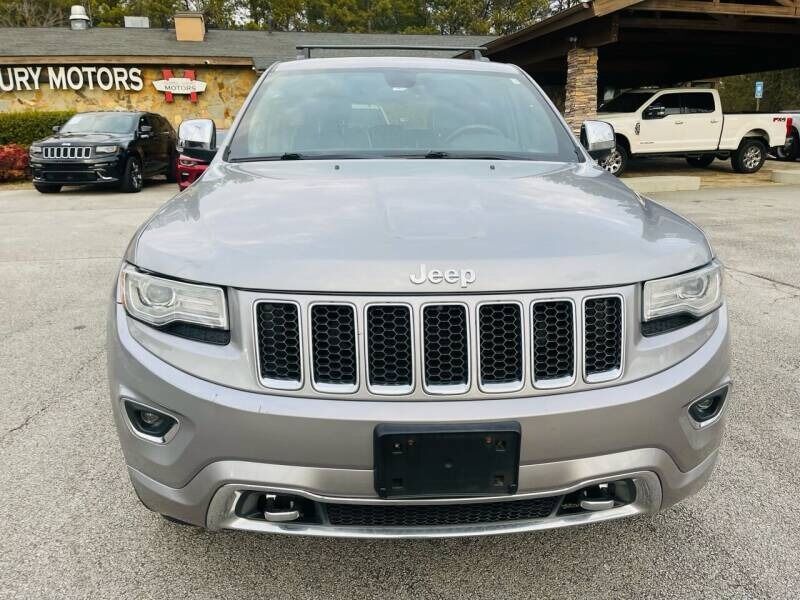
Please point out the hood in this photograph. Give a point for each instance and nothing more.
(85, 138)
(368, 225)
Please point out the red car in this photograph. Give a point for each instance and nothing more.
(189, 169)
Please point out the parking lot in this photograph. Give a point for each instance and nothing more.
(73, 527)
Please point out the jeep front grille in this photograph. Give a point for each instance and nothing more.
(66, 152)
(430, 347)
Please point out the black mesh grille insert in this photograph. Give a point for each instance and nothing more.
(500, 343)
(389, 345)
(278, 341)
(603, 343)
(333, 338)
(553, 340)
(446, 356)
(365, 515)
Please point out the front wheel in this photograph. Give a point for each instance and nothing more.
(702, 161)
(616, 162)
(47, 188)
(132, 178)
(750, 156)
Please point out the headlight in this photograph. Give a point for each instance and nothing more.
(159, 301)
(696, 293)
(105, 149)
(36, 150)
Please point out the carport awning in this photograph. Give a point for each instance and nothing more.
(660, 42)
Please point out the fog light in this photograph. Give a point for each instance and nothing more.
(150, 424)
(707, 408)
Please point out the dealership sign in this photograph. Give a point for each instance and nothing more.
(70, 78)
(187, 85)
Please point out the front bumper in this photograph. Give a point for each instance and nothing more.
(77, 172)
(231, 441)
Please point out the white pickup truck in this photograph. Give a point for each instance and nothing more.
(689, 122)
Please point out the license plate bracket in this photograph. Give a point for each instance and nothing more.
(463, 460)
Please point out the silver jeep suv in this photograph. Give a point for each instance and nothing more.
(404, 301)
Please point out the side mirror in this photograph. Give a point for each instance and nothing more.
(56, 128)
(144, 131)
(197, 134)
(598, 138)
(654, 112)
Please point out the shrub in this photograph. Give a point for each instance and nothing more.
(29, 126)
(13, 162)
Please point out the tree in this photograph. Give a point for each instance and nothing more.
(485, 17)
(33, 13)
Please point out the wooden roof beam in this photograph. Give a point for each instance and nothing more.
(745, 26)
(721, 8)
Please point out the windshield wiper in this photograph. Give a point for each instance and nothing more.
(297, 156)
(465, 155)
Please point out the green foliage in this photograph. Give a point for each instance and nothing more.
(781, 91)
(29, 126)
(476, 17)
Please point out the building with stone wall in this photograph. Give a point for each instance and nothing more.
(179, 73)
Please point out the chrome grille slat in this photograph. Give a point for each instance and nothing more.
(333, 348)
(445, 348)
(75, 152)
(553, 331)
(602, 332)
(279, 344)
(419, 347)
(500, 347)
(390, 359)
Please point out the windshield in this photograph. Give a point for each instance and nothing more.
(399, 112)
(626, 103)
(100, 123)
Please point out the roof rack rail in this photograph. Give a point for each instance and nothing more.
(304, 50)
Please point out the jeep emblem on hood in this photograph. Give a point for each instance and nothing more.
(463, 276)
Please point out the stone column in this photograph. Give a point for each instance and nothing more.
(581, 89)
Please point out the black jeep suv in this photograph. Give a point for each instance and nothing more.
(119, 148)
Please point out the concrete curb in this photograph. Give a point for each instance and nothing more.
(666, 183)
(786, 176)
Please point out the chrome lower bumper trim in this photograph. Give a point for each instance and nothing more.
(222, 512)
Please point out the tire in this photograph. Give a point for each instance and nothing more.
(702, 161)
(47, 188)
(750, 156)
(132, 178)
(617, 161)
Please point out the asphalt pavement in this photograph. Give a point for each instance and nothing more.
(71, 527)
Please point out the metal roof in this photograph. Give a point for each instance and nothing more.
(262, 47)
